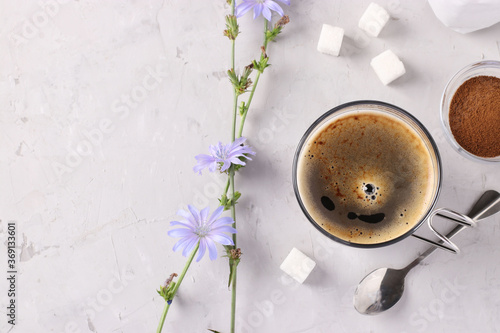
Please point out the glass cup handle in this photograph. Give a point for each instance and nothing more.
(462, 222)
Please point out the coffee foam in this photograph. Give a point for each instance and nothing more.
(366, 163)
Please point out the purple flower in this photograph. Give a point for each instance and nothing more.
(225, 154)
(198, 227)
(263, 7)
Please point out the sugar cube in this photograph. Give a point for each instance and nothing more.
(297, 265)
(374, 19)
(330, 40)
(387, 66)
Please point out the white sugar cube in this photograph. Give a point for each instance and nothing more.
(387, 66)
(330, 40)
(374, 19)
(297, 265)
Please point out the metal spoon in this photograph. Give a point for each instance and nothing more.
(383, 287)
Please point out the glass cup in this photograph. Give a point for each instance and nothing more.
(331, 220)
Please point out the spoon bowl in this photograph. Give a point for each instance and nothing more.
(379, 290)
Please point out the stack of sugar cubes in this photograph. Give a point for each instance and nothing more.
(386, 65)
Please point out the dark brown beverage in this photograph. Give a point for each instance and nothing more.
(366, 177)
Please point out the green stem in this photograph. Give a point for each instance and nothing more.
(231, 173)
(247, 106)
(233, 134)
(233, 206)
(265, 32)
(231, 182)
(233, 282)
(233, 41)
(235, 94)
(163, 316)
(227, 185)
(177, 285)
(235, 111)
(233, 298)
(235, 100)
(250, 98)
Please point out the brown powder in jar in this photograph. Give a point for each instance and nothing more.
(475, 116)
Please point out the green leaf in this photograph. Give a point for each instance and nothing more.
(234, 199)
(231, 274)
(167, 292)
(243, 108)
(232, 28)
(233, 78)
(278, 27)
(243, 82)
(228, 250)
(227, 203)
(272, 34)
(261, 65)
(233, 263)
(237, 167)
(223, 201)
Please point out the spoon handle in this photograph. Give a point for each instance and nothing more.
(435, 246)
(487, 205)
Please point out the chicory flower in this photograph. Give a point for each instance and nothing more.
(263, 7)
(197, 226)
(224, 154)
